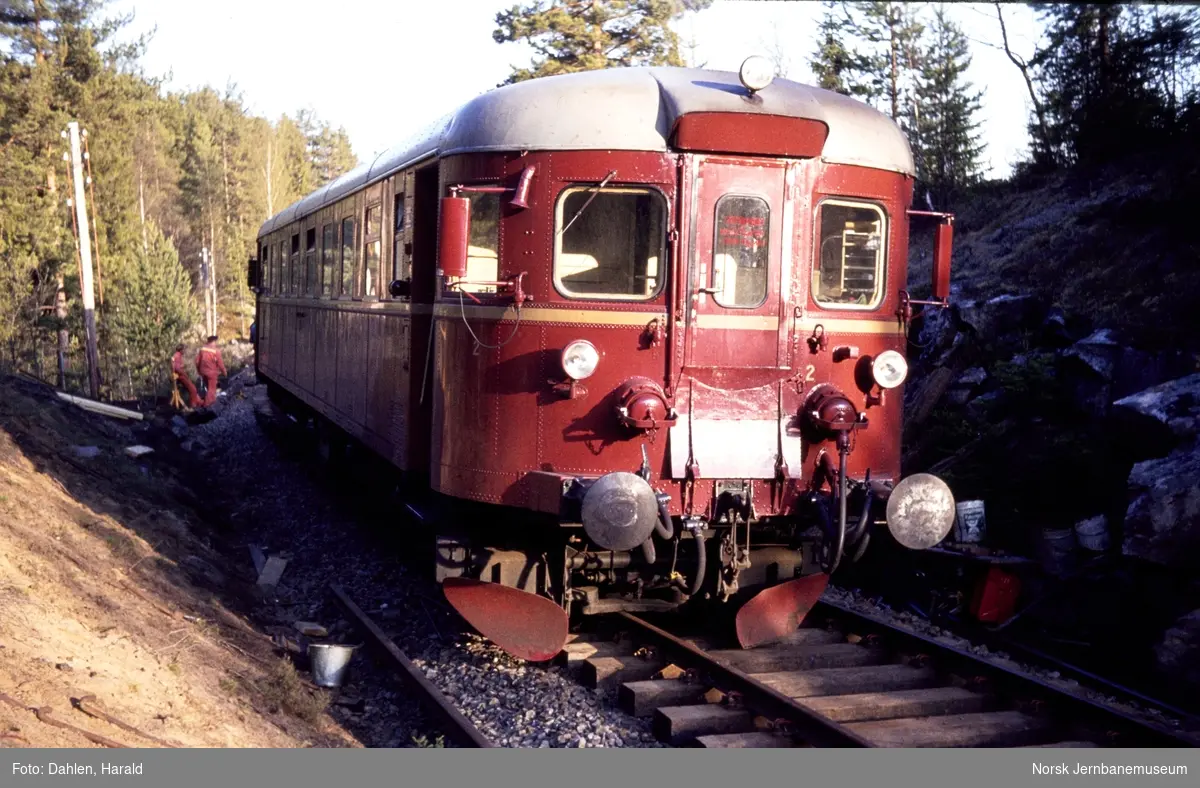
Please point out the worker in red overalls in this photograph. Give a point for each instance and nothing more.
(181, 376)
(210, 364)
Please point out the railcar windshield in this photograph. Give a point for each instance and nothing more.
(615, 248)
(849, 267)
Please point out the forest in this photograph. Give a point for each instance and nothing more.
(171, 174)
(174, 176)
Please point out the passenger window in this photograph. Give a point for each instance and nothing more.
(311, 263)
(611, 247)
(483, 248)
(740, 251)
(371, 249)
(297, 283)
(282, 268)
(328, 257)
(400, 267)
(849, 266)
(346, 281)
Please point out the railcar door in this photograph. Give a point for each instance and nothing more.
(740, 273)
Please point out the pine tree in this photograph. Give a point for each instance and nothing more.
(891, 33)
(838, 66)
(152, 311)
(948, 156)
(574, 35)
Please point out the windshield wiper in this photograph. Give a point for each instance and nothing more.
(583, 207)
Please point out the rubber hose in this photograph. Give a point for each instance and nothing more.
(648, 550)
(701, 564)
(864, 520)
(664, 527)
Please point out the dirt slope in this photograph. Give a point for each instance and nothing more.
(109, 588)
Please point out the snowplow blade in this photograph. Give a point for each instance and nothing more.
(779, 610)
(525, 625)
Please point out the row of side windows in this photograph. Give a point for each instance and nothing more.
(328, 270)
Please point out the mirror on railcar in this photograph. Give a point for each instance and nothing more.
(454, 236)
(943, 240)
(252, 273)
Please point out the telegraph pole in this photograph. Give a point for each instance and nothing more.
(85, 260)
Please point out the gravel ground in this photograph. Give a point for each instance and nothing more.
(277, 499)
(914, 623)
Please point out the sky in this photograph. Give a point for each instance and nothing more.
(384, 68)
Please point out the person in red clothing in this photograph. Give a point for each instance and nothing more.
(210, 365)
(181, 376)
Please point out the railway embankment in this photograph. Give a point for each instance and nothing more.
(1061, 388)
(133, 580)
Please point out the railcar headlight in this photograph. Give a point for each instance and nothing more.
(889, 369)
(579, 359)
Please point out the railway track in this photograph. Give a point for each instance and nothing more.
(846, 679)
(453, 723)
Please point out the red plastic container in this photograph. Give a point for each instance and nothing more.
(996, 596)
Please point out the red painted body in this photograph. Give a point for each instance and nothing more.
(461, 384)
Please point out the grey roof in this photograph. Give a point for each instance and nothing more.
(621, 109)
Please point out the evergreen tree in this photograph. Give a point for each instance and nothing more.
(948, 154)
(152, 310)
(837, 65)
(1108, 74)
(573, 35)
(891, 34)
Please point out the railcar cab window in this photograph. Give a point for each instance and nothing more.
(346, 280)
(850, 256)
(483, 247)
(614, 247)
(740, 251)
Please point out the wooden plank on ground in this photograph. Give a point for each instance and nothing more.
(848, 681)
(607, 672)
(678, 725)
(778, 658)
(902, 703)
(807, 636)
(755, 740)
(985, 729)
(578, 651)
(641, 698)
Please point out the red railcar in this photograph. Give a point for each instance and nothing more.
(638, 332)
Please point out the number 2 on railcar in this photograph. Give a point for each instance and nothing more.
(634, 338)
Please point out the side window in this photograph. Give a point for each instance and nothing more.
(297, 284)
(852, 238)
(285, 268)
(346, 282)
(372, 227)
(311, 262)
(610, 243)
(400, 265)
(328, 257)
(483, 248)
(740, 251)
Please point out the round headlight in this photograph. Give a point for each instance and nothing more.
(579, 359)
(889, 369)
(756, 73)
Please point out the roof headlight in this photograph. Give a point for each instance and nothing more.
(889, 369)
(579, 359)
(756, 73)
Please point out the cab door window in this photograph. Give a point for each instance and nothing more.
(740, 251)
(852, 238)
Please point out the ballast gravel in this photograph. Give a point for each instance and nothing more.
(275, 496)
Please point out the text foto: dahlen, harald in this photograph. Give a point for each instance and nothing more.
(1105, 768)
(83, 769)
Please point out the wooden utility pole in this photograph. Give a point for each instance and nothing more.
(85, 259)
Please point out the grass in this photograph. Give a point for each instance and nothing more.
(421, 740)
(284, 690)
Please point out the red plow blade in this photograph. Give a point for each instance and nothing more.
(779, 610)
(525, 625)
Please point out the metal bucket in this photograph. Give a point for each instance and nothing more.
(1093, 534)
(329, 663)
(969, 522)
(1058, 550)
